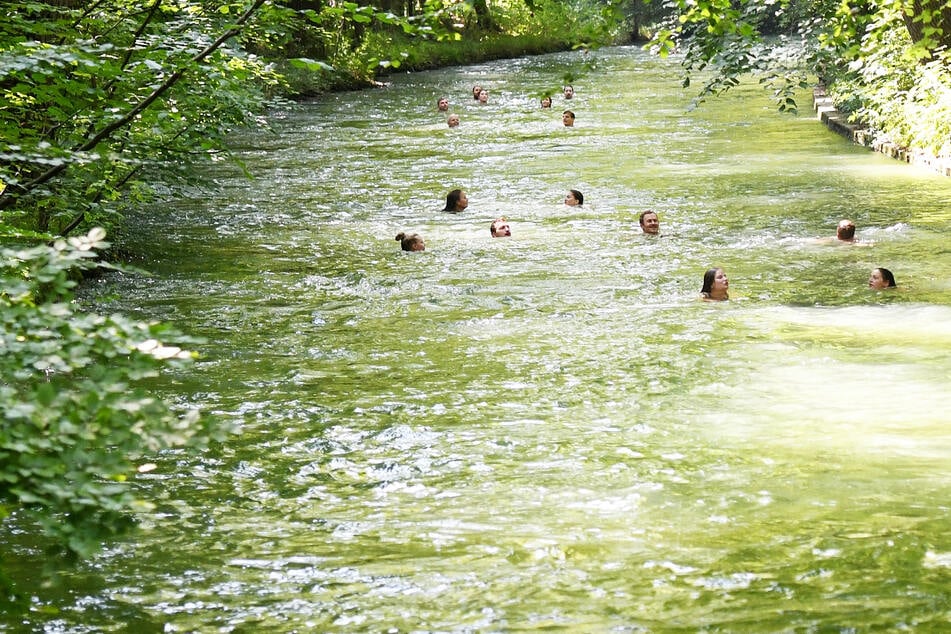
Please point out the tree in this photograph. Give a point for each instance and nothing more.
(79, 423)
(880, 57)
(116, 88)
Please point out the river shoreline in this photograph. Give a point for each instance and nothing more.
(857, 133)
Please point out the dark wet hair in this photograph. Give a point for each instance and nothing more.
(569, 112)
(407, 242)
(578, 196)
(640, 219)
(887, 276)
(708, 278)
(452, 199)
(475, 93)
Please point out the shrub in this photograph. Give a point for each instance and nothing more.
(79, 423)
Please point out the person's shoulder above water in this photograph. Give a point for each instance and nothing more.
(844, 234)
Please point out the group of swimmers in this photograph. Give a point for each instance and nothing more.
(481, 95)
(715, 285)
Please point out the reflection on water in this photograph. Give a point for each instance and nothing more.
(547, 431)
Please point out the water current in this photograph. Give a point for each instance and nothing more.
(547, 432)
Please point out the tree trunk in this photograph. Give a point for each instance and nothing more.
(941, 20)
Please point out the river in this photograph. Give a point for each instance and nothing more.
(547, 432)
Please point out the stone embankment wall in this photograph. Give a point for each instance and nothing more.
(838, 122)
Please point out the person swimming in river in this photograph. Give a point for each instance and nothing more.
(411, 242)
(456, 201)
(880, 279)
(500, 228)
(715, 286)
(574, 198)
(649, 222)
(845, 231)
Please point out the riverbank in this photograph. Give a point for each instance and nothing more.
(419, 55)
(857, 133)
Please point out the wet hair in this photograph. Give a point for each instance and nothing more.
(475, 92)
(407, 242)
(578, 196)
(887, 276)
(569, 112)
(640, 219)
(543, 99)
(452, 199)
(708, 279)
(845, 230)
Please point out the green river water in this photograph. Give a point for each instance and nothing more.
(547, 432)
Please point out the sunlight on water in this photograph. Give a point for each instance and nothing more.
(550, 431)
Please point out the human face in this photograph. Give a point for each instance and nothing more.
(453, 121)
(877, 281)
(720, 284)
(569, 92)
(650, 224)
(546, 102)
(501, 228)
(483, 96)
(568, 119)
(475, 91)
(570, 200)
(463, 202)
(443, 104)
(418, 245)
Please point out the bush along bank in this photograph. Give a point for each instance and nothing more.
(859, 133)
(403, 55)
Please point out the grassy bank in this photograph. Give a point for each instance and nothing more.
(401, 54)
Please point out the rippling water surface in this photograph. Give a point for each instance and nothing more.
(548, 432)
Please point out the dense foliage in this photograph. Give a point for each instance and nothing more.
(78, 421)
(100, 103)
(97, 98)
(885, 60)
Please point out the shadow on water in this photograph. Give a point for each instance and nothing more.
(548, 431)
